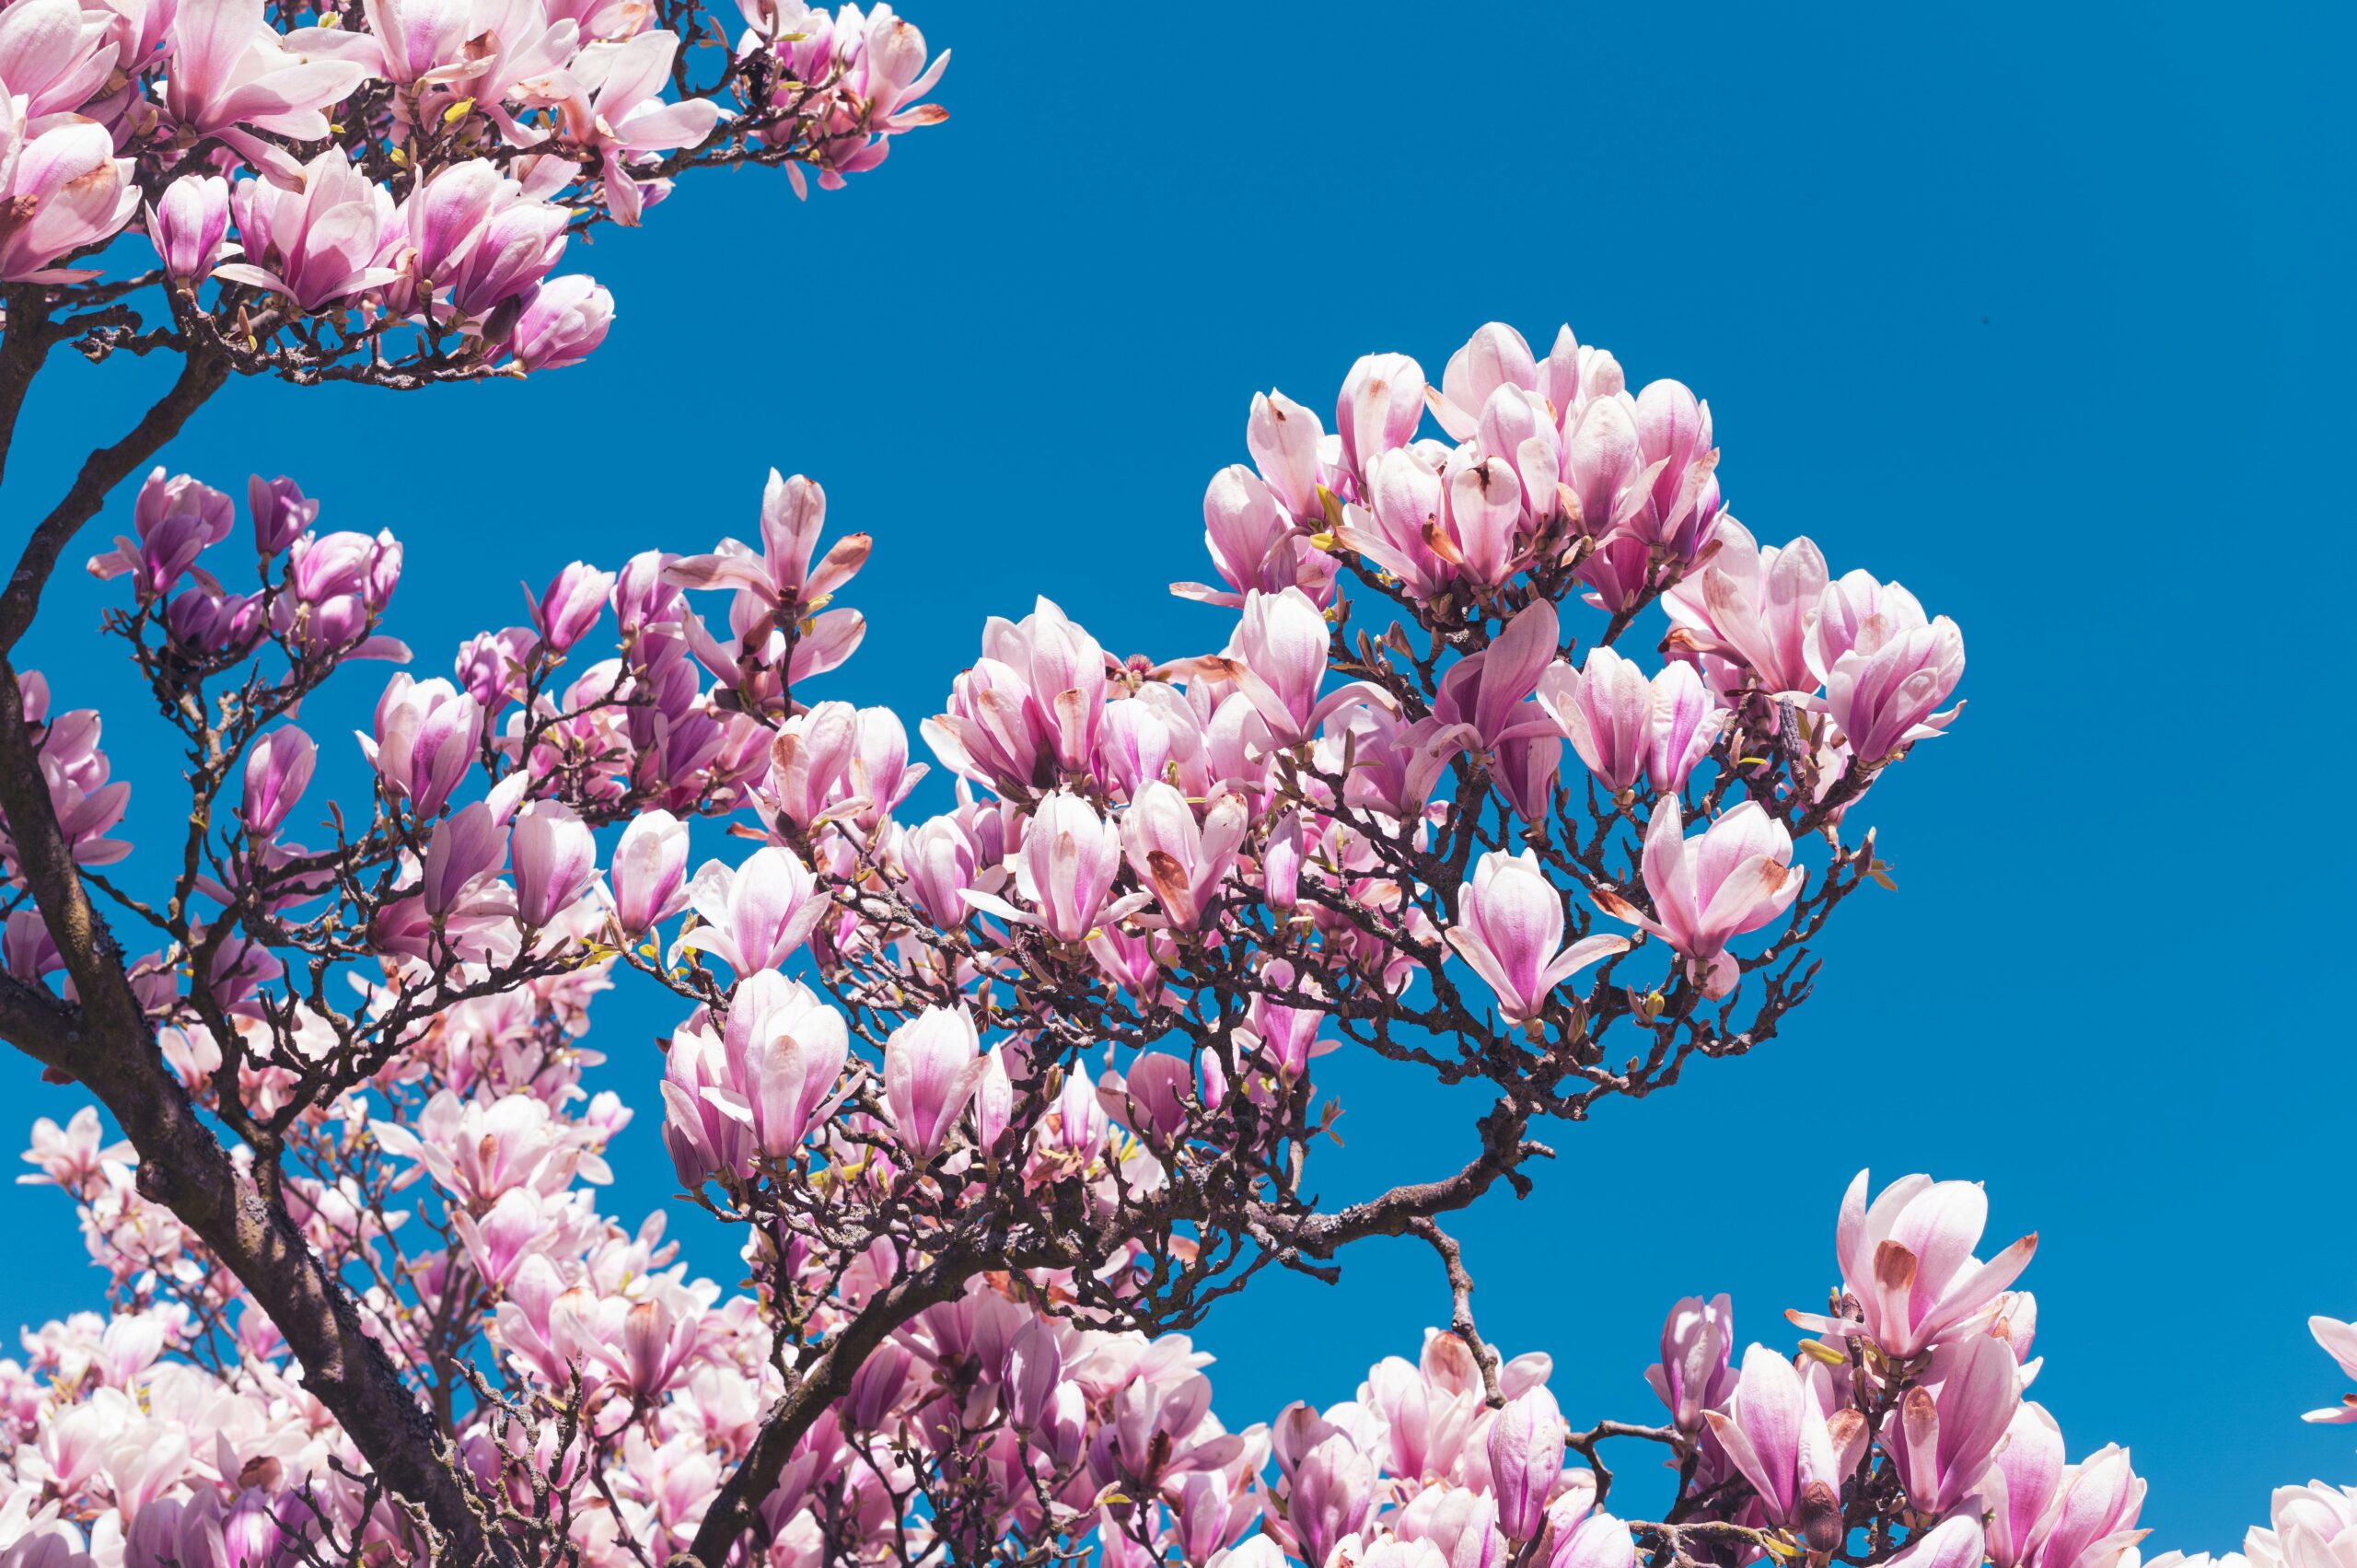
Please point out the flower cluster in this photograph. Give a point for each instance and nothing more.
(386, 192)
(1005, 1084)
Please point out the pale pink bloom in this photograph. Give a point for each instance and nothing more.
(278, 770)
(2092, 1523)
(933, 1063)
(190, 227)
(1284, 437)
(1064, 871)
(1883, 691)
(1399, 515)
(2019, 1488)
(792, 1059)
(427, 736)
(1736, 876)
(1907, 1261)
(555, 858)
(810, 763)
(1494, 356)
(62, 190)
(1254, 544)
(1687, 722)
(1184, 861)
(232, 74)
(1525, 1454)
(420, 40)
(1754, 606)
(315, 244)
(755, 915)
(1484, 508)
(618, 110)
(70, 1157)
(1947, 1433)
(1598, 1540)
(562, 322)
(1952, 1543)
(54, 55)
(1694, 1373)
(1331, 1494)
(2340, 1342)
(1605, 710)
(1382, 403)
(1510, 929)
(1485, 690)
(648, 877)
(794, 514)
(478, 239)
(1777, 1437)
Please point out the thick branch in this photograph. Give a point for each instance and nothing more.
(106, 1043)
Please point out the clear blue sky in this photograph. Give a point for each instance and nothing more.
(2044, 314)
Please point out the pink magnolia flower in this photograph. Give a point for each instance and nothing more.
(1598, 1540)
(563, 321)
(2018, 1489)
(1526, 1455)
(62, 190)
(618, 109)
(1687, 722)
(794, 514)
(1382, 403)
(1907, 1262)
(315, 244)
(71, 1156)
(232, 74)
(190, 227)
(1510, 929)
(1253, 541)
(1184, 861)
(1694, 1373)
(649, 872)
(427, 736)
(54, 55)
(1754, 606)
(555, 858)
(2092, 1523)
(570, 604)
(1485, 690)
(278, 770)
(1605, 710)
(1778, 1437)
(1948, 1432)
(789, 1063)
(1736, 876)
(755, 915)
(933, 1063)
(1883, 691)
(282, 513)
(1283, 438)
(1064, 871)
(479, 238)
(1333, 1492)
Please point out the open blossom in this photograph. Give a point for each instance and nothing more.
(2340, 1342)
(62, 190)
(1736, 876)
(316, 244)
(1906, 1261)
(1948, 1433)
(1510, 929)
(752, 916)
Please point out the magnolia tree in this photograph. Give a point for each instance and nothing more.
(1003, 1099)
